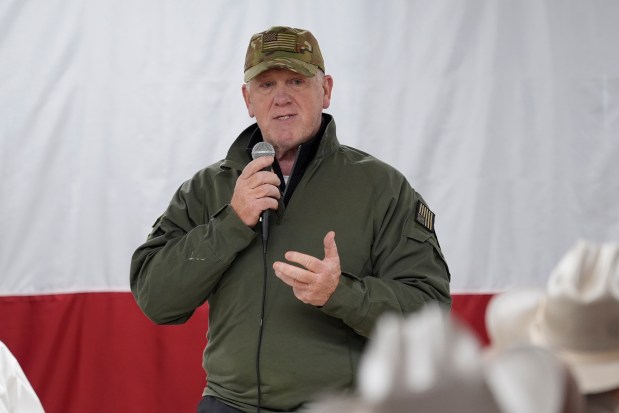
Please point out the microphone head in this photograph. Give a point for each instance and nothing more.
(262, 149)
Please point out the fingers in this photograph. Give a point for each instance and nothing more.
(307, 261)
(330, 246)
(313, 280)
(312, 264)
(266, 183)
(265, 191)
(256, 165)
(291, 273)
(255, 191)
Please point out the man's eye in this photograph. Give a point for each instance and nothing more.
(297, 82)
(266, 85)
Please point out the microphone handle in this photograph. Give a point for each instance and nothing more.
(264, 218)
(265, 225)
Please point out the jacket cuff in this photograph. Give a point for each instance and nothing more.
(349, 302)
(233, 234)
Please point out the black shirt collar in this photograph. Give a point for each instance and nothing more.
(305, 154)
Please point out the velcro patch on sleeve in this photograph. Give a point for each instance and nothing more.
(424, 216)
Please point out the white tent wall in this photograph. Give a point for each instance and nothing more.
(504, 115)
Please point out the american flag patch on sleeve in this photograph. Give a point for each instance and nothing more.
(424, 216)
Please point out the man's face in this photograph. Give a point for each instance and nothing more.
(287, 106)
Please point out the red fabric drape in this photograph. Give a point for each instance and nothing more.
(97, 352)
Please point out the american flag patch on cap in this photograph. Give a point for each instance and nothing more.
(272, 41)
(424, 216)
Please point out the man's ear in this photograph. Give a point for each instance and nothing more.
(247, 99)
(327, 87)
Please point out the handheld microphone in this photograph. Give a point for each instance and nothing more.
(259, 150)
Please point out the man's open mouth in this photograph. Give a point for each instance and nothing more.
(284, 117)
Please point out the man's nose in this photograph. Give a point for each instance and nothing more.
(282, 97)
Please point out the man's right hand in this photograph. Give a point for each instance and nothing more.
(255, 191)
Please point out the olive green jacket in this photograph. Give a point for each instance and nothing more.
(199, 250)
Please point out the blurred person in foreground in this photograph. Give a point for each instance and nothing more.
(16, 392)
(429, 362)
(289, 310)
(576, 317)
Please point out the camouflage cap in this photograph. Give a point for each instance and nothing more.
(283, 47)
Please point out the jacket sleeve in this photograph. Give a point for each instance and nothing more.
(408, 269)
(184, 257)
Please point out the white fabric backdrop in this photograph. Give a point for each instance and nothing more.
(503, 114)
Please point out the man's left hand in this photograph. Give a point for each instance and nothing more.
(313, 282)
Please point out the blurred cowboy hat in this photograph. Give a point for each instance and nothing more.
(577, 316)
(519, 307)
(429, 362)
(425, 362)
(528, 378)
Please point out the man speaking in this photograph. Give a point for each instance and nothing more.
(348, 240)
